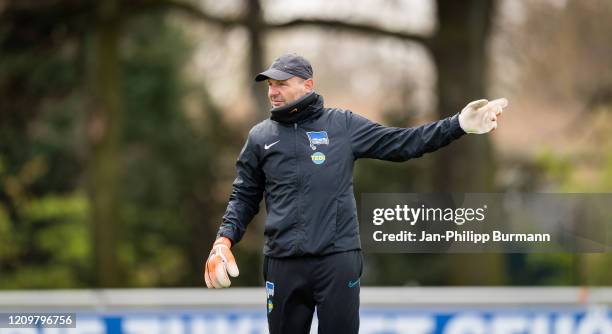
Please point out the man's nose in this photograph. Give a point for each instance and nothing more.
(272, 91)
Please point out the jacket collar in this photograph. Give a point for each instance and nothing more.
(306, 107)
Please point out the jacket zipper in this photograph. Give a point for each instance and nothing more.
(297, 183)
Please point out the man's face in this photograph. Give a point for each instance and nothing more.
(283, 92)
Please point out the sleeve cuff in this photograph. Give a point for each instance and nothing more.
(455, 128)
(234, 238)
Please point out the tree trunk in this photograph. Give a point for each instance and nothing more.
(256, 29)
(459, 51)
(105, 135)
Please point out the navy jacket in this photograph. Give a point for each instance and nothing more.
(301, 160)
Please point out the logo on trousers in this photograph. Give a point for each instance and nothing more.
(270, 293)
(270, 289)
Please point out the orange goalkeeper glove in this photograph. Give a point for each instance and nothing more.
(220, 262)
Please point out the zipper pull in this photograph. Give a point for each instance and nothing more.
(295, 126)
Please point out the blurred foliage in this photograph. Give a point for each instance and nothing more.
(585, 169)
(44, 238)
(163, 155)
(49, 247)
(170, 162)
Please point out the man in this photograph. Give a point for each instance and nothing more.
(301, 159)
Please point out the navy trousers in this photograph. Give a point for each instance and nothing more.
(296, 285)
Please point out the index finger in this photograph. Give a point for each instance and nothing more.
(496, 106)
(501, 102)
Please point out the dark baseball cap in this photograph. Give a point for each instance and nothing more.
(285, 67)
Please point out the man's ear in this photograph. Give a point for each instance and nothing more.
(309, 85)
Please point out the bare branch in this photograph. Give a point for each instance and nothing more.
(351, 27)
(191, 10)
(200, 14)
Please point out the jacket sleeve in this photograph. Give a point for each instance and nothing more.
(247, 192)
(372, 140)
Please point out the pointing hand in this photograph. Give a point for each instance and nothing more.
(481, 116)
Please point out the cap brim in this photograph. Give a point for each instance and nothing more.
(273, 74)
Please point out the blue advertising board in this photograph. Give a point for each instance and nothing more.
(455, 320)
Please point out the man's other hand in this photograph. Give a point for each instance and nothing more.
(220, 262)
(481, 116)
